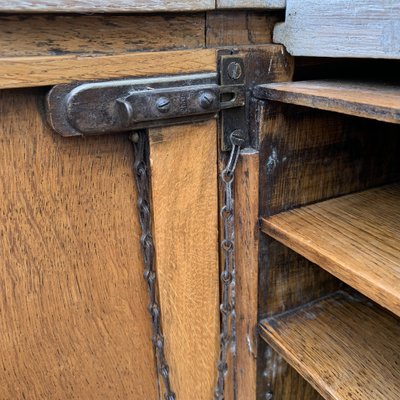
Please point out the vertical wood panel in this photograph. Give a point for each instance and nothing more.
(246, 238)
(185, 203)
(73, 317)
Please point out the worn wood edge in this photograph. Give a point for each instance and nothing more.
(339, 28)
(17, 72)
(260, 4)
(268, 337)
(358, 109)
(246, 261)
(271, 336)
(381, 296)
(100, 6)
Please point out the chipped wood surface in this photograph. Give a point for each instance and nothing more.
(185, 204)
(50, 70)
(341, 28)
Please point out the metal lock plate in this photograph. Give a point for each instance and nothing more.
(124, 105)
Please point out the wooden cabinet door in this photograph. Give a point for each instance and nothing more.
(73, 300)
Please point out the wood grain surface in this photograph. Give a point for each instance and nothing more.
(345, 347)
(41, 35)
(363, 99)
(354, 237)
(341, 28)
(73, 303)
(102, 6)
(310, 155)
(240, 27)
(185, 201)
(246, 261)
(49, 70)
(265, 4)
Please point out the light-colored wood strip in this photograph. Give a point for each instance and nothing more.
(246, 259)
(102, 6)
(364, 99)
(50, 70)
(264, 4)
(341, 28)
(345, 347)
(354, 237)
(185, 203)
(41, 35)
(73, 301)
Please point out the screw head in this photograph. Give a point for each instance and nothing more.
(234, 70)
(238, 137)
(206, 100)
(163, 104)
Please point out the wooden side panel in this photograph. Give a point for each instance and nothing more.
(185, 203)
(101, 6)
(341, 28)
(310, 155)
(73, 301)
(49, 70)
(246, 258)
(40, 35)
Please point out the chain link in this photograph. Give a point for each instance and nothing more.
(141, 169)
(227, 307)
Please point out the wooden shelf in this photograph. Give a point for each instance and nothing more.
(354, 237)
(345, 347)
(369, 100)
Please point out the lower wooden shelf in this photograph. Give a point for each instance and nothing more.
(345, 346)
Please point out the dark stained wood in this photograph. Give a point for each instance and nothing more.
(354, 237)
(73, 302)
(289, 280)
(238, 28)
(310, 155)
(346, 347)
(42, 35)
(363, 99)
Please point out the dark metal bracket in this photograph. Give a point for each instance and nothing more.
(124, 105)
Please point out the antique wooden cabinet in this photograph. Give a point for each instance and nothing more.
(200, 200)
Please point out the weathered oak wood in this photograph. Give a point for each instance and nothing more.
(341, 28)
(185, 203)
(344, 346)
(363, 99)
(265, 4)
(41, 35)
(246, 261)
(50, 70)
(102, 6)
(354, 237)
(73, 301)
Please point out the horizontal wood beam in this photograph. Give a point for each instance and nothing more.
(18, 72)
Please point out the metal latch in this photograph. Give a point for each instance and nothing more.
(124, 105)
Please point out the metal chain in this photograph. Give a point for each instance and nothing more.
(227, 306)
(142, 177)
